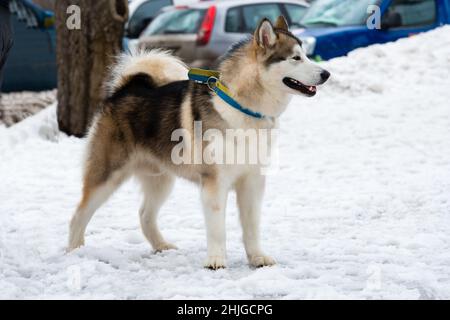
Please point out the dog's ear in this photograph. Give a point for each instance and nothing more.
(265, 35)
(282, 23)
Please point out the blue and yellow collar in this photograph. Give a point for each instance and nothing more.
(211, 79)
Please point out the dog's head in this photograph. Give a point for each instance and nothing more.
(283, 61)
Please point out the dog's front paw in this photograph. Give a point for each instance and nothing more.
(215, 262)
(165, 246)
(75, 244)
(259, 261)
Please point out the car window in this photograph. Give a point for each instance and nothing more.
(415, 12)
(253, 14)
(337, 13)
(295, 13)
(181, 21)
(233, 20)
(143, 15)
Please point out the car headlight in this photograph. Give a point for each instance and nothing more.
(309, 45)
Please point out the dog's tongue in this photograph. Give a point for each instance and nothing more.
(312, 88)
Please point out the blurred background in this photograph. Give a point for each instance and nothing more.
(201, 31)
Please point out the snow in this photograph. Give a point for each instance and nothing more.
(16, 106)
(359, 207)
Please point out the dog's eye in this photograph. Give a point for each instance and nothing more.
(297, 58)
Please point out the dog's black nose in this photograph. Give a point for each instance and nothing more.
(325, 75)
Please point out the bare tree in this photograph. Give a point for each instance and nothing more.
(85, 49)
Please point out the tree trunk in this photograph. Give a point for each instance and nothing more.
(83, 57)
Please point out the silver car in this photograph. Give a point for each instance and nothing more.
(201, 33)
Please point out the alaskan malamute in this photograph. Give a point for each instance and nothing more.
(149, 97)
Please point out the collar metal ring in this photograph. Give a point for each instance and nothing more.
(213, 80)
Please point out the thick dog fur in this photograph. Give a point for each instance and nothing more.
(148, 98)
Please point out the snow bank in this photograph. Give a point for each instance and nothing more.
(384, 68)
(358, 209)
(43, 125)
(16, 106)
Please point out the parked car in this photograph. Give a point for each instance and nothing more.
(336, 27)
(32, 61)
(140, 14)
(202, 32)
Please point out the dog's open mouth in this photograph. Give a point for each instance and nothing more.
(298, 86)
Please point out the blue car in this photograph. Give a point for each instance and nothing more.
(32, 61)
(333, 28)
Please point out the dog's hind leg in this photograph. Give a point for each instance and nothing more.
(105, 171)
(156, 189)
(94, 195)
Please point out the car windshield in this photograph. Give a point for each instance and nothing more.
(334, 13)
(180, 21)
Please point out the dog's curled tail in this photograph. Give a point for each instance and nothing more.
(160, 65)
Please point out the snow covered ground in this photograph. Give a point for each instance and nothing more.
(360, 207)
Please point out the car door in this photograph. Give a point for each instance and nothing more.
(404, 18)
(32, 60)
(175, 30)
